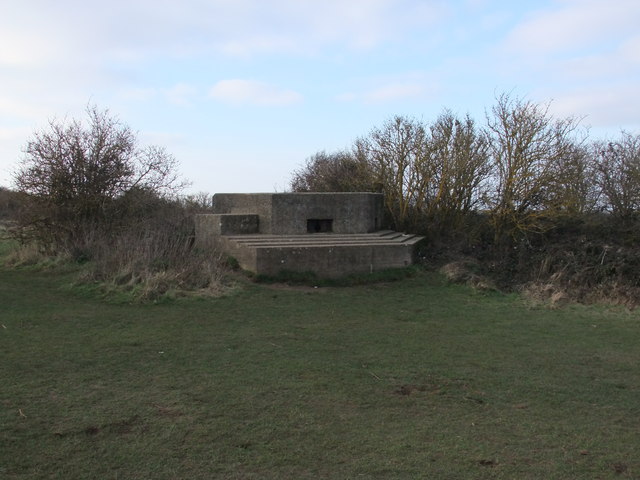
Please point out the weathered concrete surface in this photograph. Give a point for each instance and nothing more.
(288, 213)
(246, 203)
(327, 255)
(270, 232)
(208, 225)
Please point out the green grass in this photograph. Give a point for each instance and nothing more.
(6, 244)
(409, 379)
(312, 280)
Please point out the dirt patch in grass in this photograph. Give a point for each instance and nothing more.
(297, 288)
(467, 272)
(167, 411)
(131, 425)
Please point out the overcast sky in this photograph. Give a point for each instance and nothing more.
(241, 92)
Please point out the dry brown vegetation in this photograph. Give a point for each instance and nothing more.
(536, 205)
(523, 201)
(87, 192)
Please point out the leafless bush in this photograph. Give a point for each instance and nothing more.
(333, 172)
(155, 255)
(10, 203)
(90, 193)
(618, 175)
(539, 206)
(74, 177)
(458, 166)
(429, 174)
(394, 154)
(529, 149)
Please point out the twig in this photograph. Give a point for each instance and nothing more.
(606, 248)
(375, 376)
(21, 414)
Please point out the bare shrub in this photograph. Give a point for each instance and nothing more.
(529, 149)
(73, 175)
(542, 210)
(618, 175)
(458, 166)
(91, 194)
(10, 202)
(394, 153)
(333, 172)
(155, 256)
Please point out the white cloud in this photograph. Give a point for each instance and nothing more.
(180, 94)
(138, 94)
(11, 142)
(613, 66)
(23, 50)
(612, 107)
(398, 91)
(251, 92)
(256, 44)
(13, 134)
(33, 31)
(294, 26)
(172, 141)
(575, 24)
(20, 109)
(410, 86)
(581, 53)
(630, 50)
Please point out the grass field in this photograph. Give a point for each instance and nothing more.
(411, 379)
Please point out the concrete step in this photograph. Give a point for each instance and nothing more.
(320, 240)
(381, 234)
(327, 254)
(325, 246)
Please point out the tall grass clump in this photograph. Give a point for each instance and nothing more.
(155, 256)
(145, 250)
(151, 253)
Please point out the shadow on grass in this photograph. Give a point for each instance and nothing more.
(310, 279)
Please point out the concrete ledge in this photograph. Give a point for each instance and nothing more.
(332, 261)
(327, 255)
(210, 225)
(391, 238)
